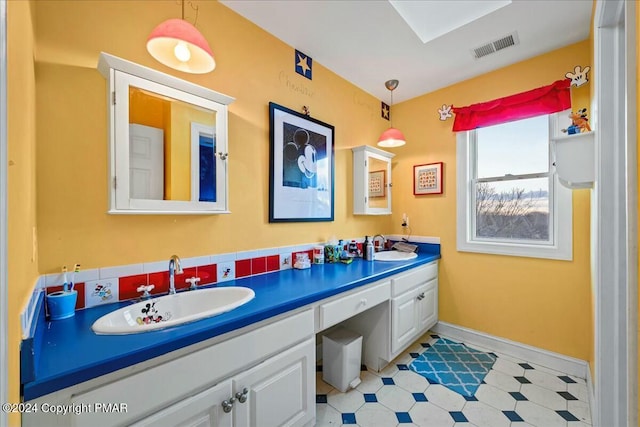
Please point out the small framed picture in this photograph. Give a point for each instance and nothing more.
(376, 183)
(427, 179)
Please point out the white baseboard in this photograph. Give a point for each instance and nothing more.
(592, 396)
(549, 359)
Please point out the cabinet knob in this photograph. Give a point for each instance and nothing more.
(223, 156)
(227, 406)
(242, 396)
(363, 301)
(421, 296)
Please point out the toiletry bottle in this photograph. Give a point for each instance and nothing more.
(368, 249)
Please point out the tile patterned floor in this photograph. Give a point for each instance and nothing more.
(513, 394)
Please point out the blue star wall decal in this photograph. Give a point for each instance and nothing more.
(385, 110)
(304, 64)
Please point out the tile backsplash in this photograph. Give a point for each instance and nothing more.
(110, 284)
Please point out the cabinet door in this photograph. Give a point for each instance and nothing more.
(201, 410)
(404, 320)
(428, 305)
(281, 390)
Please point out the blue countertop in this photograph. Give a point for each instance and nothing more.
(69, 352)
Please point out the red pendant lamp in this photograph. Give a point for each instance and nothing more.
(179, 45)
(391, 137)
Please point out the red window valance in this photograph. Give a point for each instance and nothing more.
(543, 100)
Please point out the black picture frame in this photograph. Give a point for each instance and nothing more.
(301, 167)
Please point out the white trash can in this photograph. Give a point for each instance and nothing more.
(341, 358)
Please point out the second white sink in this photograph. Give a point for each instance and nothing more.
(171, 310)
(394, 256)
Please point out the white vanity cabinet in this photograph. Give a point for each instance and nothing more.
(371, 181)
(202, 410)
(414, 305)
(204, 384)
(280, 390)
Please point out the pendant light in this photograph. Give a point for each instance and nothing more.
(391, 137)
(179, 45)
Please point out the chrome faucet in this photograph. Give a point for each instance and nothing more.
(174, 268)
(382, 246)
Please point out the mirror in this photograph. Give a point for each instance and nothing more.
(168, 142)
(171, 149)
(378, 193)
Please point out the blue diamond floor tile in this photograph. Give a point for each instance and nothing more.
(517, 395)
(419, 397)
(388, 381)
(349, 418)
(567, 395)
(458, 417)
(403, 417)
(470, 398)
(321, 398)
(403, 367)
(370, 397)
(414, 355)
(566, 379)
(526, 365)
(568, 416)
(425, 344)
(512, 415)
(522, 380)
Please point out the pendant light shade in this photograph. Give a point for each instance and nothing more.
(179, 45)
(391, 137)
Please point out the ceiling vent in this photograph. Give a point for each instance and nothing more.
(496, 45)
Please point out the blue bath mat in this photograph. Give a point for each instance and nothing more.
(454, 365)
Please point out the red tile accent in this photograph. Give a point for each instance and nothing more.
(259, 265)
(181, 279)
(243, 268)
(161, 282)
(273, 263)
(78, 287)
(207, 274)
(128, 286)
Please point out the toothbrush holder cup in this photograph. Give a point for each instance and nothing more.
(62, 304)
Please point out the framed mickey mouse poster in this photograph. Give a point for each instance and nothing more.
(301, 167)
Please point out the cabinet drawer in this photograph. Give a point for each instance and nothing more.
(345, 307)
(411, 279)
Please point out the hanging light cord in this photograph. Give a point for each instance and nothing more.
(195, 21)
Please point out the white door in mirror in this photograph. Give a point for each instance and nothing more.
(172, 310)
(394, 256)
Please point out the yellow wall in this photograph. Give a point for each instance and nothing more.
(638, 154)
(253, 67)
(22, 256)
(543, 303)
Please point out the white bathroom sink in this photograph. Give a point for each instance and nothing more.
(394, 256)
(171, 310)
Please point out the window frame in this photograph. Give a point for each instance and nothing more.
(560, 244)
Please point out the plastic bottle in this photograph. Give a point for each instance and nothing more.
(368, 249)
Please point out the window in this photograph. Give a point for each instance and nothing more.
(509, 199)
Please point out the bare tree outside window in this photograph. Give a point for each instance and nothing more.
(513, 213)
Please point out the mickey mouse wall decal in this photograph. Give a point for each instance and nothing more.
(578, 78)
(445, 112)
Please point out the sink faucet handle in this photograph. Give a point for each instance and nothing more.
(146, 289)
(194, 283)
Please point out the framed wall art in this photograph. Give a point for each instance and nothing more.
(427, 179)
(376, 183)
(301, 167)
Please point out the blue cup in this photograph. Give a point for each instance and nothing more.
(62, 305)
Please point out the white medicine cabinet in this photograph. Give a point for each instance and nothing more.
(371, 181)
(167, 142)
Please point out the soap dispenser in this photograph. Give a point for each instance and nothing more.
(368, 249)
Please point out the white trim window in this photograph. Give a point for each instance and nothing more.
(509, 199)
